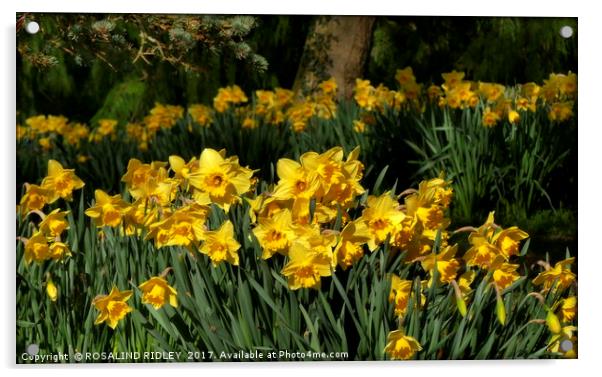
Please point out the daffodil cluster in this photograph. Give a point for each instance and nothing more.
(317, 219)
(46, 241)
(419, 229)
(171, 202)
(320, 104)
(492, 248)
(563, 333)
(562, 313)
(113, 307)
(293, 219)
(49, 130)
(556, 96)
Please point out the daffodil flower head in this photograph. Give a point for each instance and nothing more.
(504, 274)
(382, 215)
(108, 210)
(219, 180)
(445, 263)
(400, 346)
(568, 309)
(61, 182)
(37, 249)
(275, 234)
(305, 267)
(350, 247)
(560, 276)
(220, 245)
(35, 198)
(157, 292)
(112, 307)
(507, 240)
(54, 223)
(400, 294)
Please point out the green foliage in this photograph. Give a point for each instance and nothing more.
(508, 167)
(505, 50)
(76, 61)
(124, 101)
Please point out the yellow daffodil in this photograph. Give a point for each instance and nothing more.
(163, 116)
(320, 243)
(382, 215)
(359, 126)
(350, 246)
(343, 190)
(400, 346)
(227, 96)
(59, 250)
(45, 143)
(275, 234)
(112, 307)
(447, 266)
(142, 214)
(490, 118)
(365, 94)
(156, 291)
(504, 274)
(138, 174)
(405, 76)
(328, 86)
(183, 169)
(513, 117)
(328, 167)
(266, 206)
(54, 223)
(150, 182)
(400, 294)
(219, 180)
(568, 309)
(465, 281)
(561, 274)
(481, 253)
(37, 249)
(305, 267)
(492, 92)
(561, 111)
(530, 90)
(452, 78)
(295, 181)
(526, 104)
(108, 210)
(201, 114)
(220, 245)
(507, 240)
(183, 227)
(429, 203)
(35, 197)
(566, 333)
(61, 182)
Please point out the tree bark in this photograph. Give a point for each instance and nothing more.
(336, 46)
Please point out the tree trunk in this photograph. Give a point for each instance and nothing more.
(336, 46)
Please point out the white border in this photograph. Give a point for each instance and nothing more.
(551, 8)
(590, 137)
